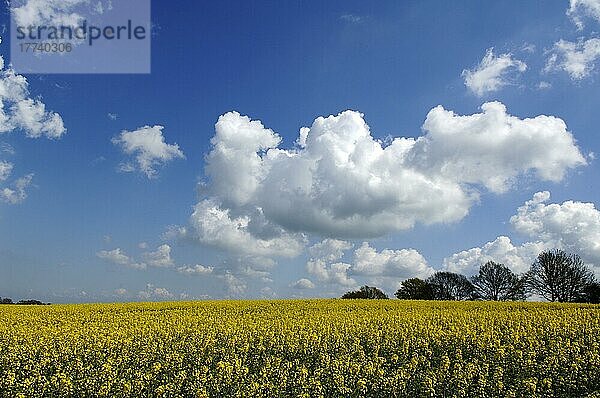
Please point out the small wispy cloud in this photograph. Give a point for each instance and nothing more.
(352, 18)
(7, 148)
(528, 48)
(543, 85)
(492, 73)
(578, 59)
(18, 192)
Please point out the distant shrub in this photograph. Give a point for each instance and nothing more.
(366, 292)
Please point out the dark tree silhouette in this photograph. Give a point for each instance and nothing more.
(451, 286)
(497, 282)
(30, 302)
(559, 276)
(591, 293)
(415, 289)
(365, 292)
(7, 300)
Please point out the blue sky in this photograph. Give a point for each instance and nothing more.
(286, 64)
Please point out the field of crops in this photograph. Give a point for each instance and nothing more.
(309, 348)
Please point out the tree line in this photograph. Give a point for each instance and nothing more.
(7, 300)
(555, 275)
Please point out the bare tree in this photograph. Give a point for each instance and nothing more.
(498, 283)
(451, 286)
(559, 276)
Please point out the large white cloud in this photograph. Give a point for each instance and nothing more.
(386, 268)
(329, 249)
(578, 9)
(334, 273)
(215, 226)
(400, 264)
(339, 181)
(501, 250)
(492, 73)
(324, 263)
(19, 112)
(578, 59)
(148, 146)
(571, 225)
(57, 12)
(493, 148)
(47, 12)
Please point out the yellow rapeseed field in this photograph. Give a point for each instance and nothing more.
(301, 348)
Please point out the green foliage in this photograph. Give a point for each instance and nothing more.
(415, 289)
(366, 292)
(591, 293)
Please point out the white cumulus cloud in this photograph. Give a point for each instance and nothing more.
(492, 73)
(235, 286)
(19, 112)
(47, 12)
(501, 250)
(161, 257)
(400, 264)
(339, 181)
(324, 264)
(155, 292)
(386, 268)
(215, 226)
(56, 12)
(148, 146)
(571, 225)
(303, 284)
(197, 269)
(117, 256)
(493, 148)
